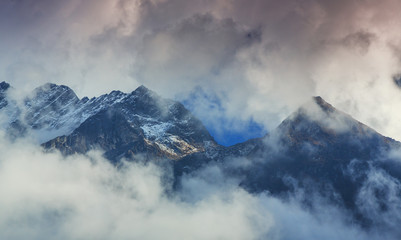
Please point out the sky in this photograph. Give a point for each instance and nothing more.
(239, 65)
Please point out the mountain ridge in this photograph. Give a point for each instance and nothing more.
(117, 96)
(60, 98)
(317, 148)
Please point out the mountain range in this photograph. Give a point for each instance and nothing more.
(318, 148)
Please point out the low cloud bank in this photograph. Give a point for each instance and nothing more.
(47, 196)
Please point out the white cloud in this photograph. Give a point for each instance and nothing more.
(45, 196)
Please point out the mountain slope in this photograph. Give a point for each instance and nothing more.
(320, 150)
(56, 117)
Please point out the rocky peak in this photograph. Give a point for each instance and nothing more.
(47, 103)
(320, 113)
(51, 91)
(325, 106)
(147, 103)
(146, 95)
(322, 127)
(3, 89)
(142, 90)
(4, 86)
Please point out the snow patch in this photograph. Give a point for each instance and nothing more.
(156, 131)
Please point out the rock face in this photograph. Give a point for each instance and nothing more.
(3, 89)
(48, 105)
(318, 148)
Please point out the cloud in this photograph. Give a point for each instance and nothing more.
(47, 41)
(195, 49)
(261, 59)
(47, 196)
(379, 200)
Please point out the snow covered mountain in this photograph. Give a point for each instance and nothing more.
(122, 124)
(137, 123)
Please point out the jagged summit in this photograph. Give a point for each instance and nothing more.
(52, 88)
(147, 96)
(55, 95)
(47, 104)
(142, 90)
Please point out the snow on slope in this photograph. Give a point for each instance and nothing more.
(54, 110)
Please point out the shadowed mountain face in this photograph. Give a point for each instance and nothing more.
(107, 130)
(318, 149)
(318, 132)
